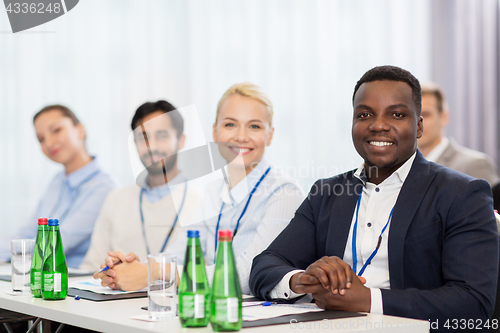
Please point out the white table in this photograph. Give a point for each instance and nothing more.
(114, 316)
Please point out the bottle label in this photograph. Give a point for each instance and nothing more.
(48, 282)
(193, 306)
(37, 281)
(232, 310)
(52, 282)
(227, 309)
(57, 282)
(199, 306)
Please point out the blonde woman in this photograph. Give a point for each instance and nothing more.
(257, 204)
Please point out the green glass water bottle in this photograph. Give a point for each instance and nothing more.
(54, 268)
(37, 261)
(194, 292)
(225, 300)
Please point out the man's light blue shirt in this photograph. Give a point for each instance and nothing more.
(154, 194)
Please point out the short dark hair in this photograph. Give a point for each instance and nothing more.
(63, 109)
(162, 106)
(393, 73)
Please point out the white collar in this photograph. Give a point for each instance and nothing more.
(243, 188)
(437, 151)
(401, 173)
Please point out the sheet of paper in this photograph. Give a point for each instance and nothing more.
(95, 286)
(5, 269)
(17, 293)
(256, 312)
(252, 313)
(145, 317)
(78, 271)
(252, 303)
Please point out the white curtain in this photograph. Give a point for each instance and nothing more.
(105, 58)
(466, 62)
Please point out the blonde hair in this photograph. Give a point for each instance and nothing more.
(247, 89)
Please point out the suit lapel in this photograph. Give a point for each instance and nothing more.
(341, 216)
(409, 199)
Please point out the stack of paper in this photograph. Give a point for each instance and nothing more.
(94, 286)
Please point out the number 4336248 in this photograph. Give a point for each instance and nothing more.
(39, 8)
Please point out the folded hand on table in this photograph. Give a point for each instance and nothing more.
(129, 275)
(333, 284)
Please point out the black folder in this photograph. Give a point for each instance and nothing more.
(91, 296)
(302, 317)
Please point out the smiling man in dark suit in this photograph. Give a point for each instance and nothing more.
(400, 235)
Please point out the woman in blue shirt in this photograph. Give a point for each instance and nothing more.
(76, 194)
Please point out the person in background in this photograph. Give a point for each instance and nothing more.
(398, 236)
(244, 123)
(143, 218)
(436, 147)
(76, 194)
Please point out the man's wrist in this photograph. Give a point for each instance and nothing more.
(294, 281)
(282, 290)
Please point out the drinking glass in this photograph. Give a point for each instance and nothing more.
(162, 286)
(21, 256)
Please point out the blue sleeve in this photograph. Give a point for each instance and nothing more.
(25, 230)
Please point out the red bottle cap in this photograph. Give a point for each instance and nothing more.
(43, 221)
(225, 234)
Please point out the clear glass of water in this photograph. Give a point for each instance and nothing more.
(162, 286)
(21, 256)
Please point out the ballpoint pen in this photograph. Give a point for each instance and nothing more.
(259, 304)
(104, 269)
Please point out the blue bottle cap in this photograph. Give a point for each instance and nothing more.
(193, 234)
(53, 222)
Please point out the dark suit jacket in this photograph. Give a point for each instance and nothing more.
(443, 242)
(496, 196)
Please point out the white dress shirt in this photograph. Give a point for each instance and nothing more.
(270, 210)
(376, 204)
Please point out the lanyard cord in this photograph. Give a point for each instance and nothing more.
(244, 209)
(173, 225)
(73, 197)
(354, 232)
